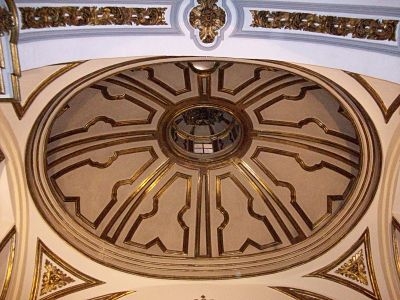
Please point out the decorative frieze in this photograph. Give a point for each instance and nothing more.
(372, 29)
(43, 17)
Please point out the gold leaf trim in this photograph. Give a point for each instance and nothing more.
(113, 296)
(20, 110)
(387, 112)
(41, 250)
(396, 244)
(9, 238)
(364, 241)
(370, 29)
(45, 17)
(299, 294)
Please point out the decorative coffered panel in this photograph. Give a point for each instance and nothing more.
(354, 269)
(199, 148)
(55, 278)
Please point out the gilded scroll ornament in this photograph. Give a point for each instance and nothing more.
(53, 278)
(354, 268)
(371, 29)
(6, 21)
(43, 17)
(208, 18)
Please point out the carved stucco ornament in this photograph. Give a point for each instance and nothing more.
(53, 278)
(6, 21)
(208, 18)
(354, 268)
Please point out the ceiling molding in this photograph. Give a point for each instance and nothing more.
(21, 109)
(387, 112)
(166, 164)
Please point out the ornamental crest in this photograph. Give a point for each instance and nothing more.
(208, 18)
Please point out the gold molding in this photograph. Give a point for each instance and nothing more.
(387, 112)
(42, 249)
(370, 29)
(15, 68)
(208, 18)
(61, 16)
(113, 296)
(396, 244)
(9, 238)
(21, 109)
(299, 294)
(350, 277)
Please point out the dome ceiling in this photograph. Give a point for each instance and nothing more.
(203, 168)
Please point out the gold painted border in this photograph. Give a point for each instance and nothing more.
(20, 109)
(396, 244)
(323, 272)
(299, 294)
(41, 249)
(113, 296)
(16, 68)
(9, 238)
(387, 112)
(164, 266)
